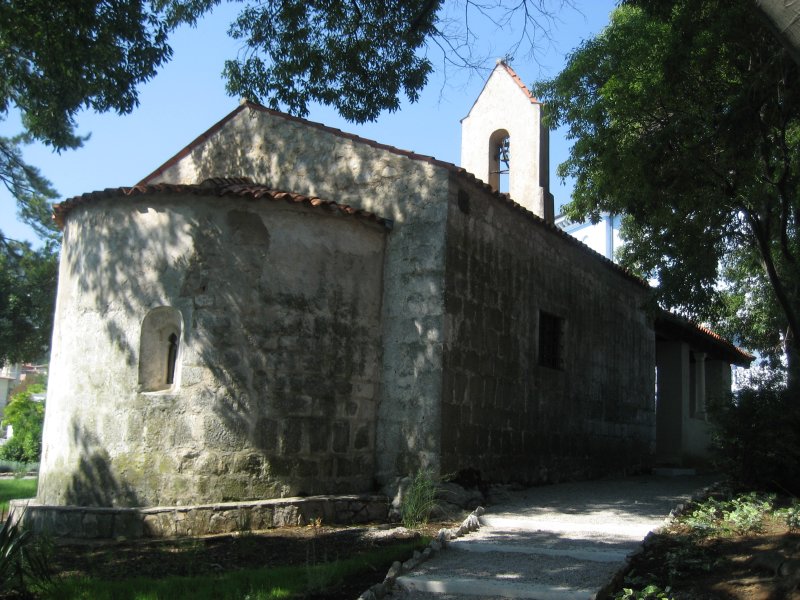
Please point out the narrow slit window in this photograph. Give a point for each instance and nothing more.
(159, 350)
(172, 356)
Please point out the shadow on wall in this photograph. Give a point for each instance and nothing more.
(287, 346)
(93, 483)
(107, 269)
(283, 379)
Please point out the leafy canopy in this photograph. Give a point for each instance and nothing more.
(27, 297)
(357, 57)
(685, 118)
(56, 59)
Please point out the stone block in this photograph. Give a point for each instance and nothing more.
(395, 570)
(98, 525)
(341, 437)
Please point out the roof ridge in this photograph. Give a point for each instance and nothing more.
(518, 80)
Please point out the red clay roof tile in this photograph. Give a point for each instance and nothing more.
(670, 324)
(518, 81)
(240, 187)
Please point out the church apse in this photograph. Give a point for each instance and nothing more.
(251, 356)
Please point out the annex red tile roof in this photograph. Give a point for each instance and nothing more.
(673, 326)
(240, 187)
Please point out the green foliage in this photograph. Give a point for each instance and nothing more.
(26, 416)
(32, 191)
(14, 466)
(418, 500)
(84, 55)
(650, 592)
(790, 515)
(23, 561)
(355, 57)
(27, 300)
(737, 515)
(757, 439)
(685, 117)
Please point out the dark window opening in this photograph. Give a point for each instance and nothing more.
(499, 160)
(159, 350)
(503, 164)
(551, 341)
(463, 202)
(172, 357)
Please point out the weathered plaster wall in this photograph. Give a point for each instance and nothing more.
(505, 414)
(503, 105)
(278, 375)
(290, 155)
(673, 400)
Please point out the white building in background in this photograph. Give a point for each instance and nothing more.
(9, 377)
(602, 237)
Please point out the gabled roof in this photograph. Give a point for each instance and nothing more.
(245, 105)
(674, 327)
(501, 64)
(145, 187)
(240, 187)
(518, 81)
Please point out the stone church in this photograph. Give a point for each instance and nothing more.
(283, 309)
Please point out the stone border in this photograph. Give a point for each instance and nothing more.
(380, 590)
(91, 523)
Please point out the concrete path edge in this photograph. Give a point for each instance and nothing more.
(472, 523)
(379, 590)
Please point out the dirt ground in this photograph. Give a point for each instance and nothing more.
(756, 566)
(222, 553)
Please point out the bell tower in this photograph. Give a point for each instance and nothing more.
(505, 144)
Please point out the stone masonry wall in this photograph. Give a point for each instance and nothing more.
(83, 522)
(505, 414)
(279, 364)
(293, 155)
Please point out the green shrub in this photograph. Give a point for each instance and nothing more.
(26, 416)
(23, 561)
(419, 500)
(737, 515)
(791, 515)
(651, 592)
(757, 441)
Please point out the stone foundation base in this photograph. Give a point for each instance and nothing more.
(87, 522)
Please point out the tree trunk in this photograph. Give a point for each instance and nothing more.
(792, 366)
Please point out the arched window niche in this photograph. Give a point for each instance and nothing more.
(160, 350)
(499, 160)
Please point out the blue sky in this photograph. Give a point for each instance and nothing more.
(188, 96)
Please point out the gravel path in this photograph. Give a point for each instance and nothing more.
(558, 542)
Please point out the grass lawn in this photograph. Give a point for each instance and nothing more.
(12, 488)
(301, 581)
